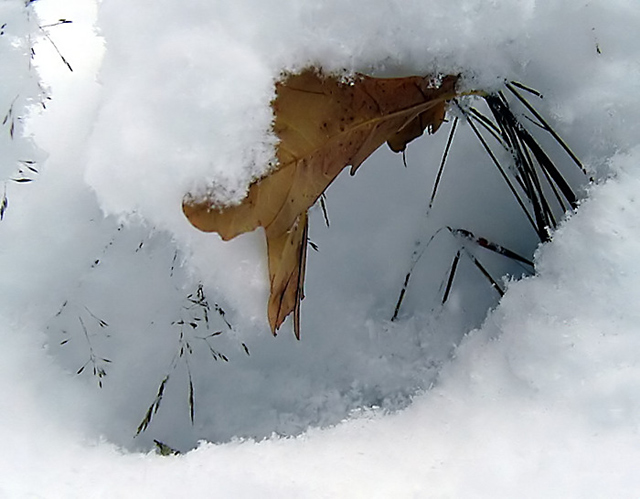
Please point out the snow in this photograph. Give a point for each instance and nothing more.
(539, 401)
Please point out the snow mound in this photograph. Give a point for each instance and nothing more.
(541, 400)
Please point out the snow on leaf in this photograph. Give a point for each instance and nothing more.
(324, 124)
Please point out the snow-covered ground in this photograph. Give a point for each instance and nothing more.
(98, 263)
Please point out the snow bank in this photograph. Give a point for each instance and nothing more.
(541, 401)
(186, 90)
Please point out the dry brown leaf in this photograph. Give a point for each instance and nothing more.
(287, 255)
(324, 124)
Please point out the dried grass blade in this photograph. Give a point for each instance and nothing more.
(556, 193)
(301, 275)
(527, 89)
(191, 399)
(549, 218)
(553, 133)
(488, 125)
(4, 204)
(403, 291)
(546, 164)
(452, 273)
(485, 272)
(153, 408)
(323, 205)
(511, 132)
(442, 163)
(503, 173)
(417, 255)
(491, 246)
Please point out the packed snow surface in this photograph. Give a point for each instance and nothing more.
(101, 272)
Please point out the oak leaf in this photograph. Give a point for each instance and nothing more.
(324, 123)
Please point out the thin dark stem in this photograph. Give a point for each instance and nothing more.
(442, 163)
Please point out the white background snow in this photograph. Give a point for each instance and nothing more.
(541, 400)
